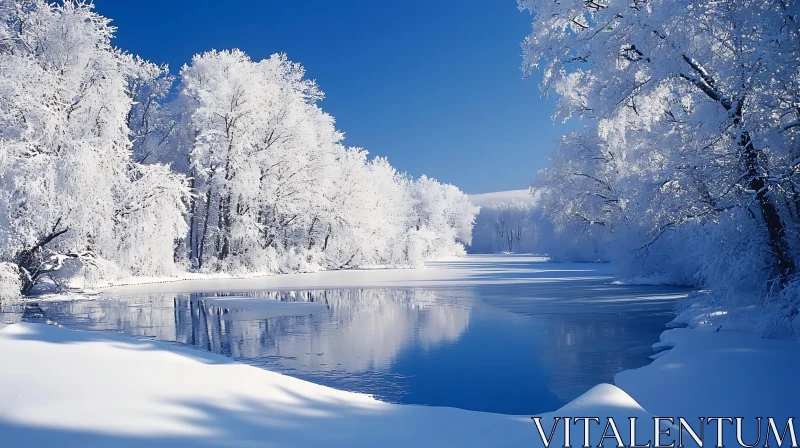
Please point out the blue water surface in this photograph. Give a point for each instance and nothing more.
(513, 339)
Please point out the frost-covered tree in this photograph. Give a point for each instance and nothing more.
(152, 124)
(506, 227)
(259, 143)
(444, 218)
(276, 190)
(70, 189)
(695, 126)
(580, 185)
(103, 162)
(538, 224)
(367, 221)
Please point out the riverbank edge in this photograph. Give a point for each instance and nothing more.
(674, 384)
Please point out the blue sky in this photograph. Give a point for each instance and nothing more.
(435, 86)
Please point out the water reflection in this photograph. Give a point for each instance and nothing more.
(516, 349)
(368, 328)
(343, 338)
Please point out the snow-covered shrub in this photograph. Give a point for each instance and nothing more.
(779, 312)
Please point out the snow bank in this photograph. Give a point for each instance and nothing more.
(68, 388)
(465, 270)
(76, 389)
(90, 389)
(710, 371)
(718, 373)
(114, 391)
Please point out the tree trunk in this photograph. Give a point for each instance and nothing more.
(192, 221)
(311, 233)
(756, 182)
(224, 223)
(201, 251)
(769, 212)
(327, 237)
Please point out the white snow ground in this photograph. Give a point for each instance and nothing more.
(470, 270)
(66, 388)
(722, 373)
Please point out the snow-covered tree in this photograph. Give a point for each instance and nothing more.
(505, 227)
(367, 220)
(102, 162)
(444, 218)
(276, 190)
(538, 223)
(151, 123)
(695, 115)
(70, 186)
(259, 143)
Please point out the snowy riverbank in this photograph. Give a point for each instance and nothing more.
(69, 388)
(60, 387)
(462, 271)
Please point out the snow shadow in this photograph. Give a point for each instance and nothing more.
(309, 423)
(103, 395)
(45, 333)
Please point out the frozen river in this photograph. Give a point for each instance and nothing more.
(506, 334)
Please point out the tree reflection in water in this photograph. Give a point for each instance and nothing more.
(511, 347)
(349, 343)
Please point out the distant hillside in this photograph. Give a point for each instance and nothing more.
(486, 199)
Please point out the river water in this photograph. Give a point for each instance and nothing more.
(503, 343)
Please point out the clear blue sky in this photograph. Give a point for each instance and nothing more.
(433, 85)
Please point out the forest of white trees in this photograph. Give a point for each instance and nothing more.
(688, 163)
(511, 224)
(112, 166)
(506, 226)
